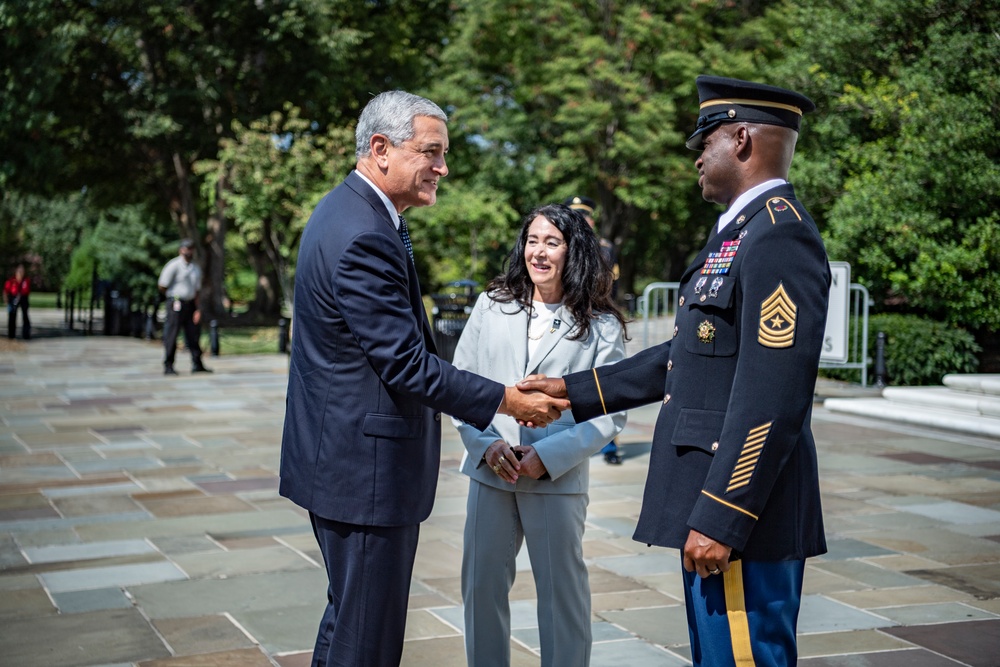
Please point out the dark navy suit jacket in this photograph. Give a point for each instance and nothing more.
(733, 455)
(362, 433)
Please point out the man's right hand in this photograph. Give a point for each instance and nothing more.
(533, 408)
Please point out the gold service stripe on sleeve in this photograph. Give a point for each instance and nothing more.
(599, 392)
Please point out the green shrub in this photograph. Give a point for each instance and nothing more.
(918, 351)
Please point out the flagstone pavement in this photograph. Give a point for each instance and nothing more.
(140, 525)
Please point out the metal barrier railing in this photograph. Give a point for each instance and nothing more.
(857, 346)
(657, 307)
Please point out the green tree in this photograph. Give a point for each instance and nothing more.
(902, 157)
(125, 99)
(550, 98)
(277, 170)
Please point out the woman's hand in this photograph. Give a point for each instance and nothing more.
(501, 459)
(531, 463)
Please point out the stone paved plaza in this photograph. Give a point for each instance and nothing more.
(140, 525)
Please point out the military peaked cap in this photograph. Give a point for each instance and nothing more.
(734, 101)
(585, 204)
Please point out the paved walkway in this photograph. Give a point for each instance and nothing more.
(140, 525)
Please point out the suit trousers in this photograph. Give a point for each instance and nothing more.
(177, 319)
(745, 617)
(497, 523)
(369, 570)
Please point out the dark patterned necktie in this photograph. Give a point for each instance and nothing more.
(404, 233)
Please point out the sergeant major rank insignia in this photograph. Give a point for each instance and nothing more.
(777, 320)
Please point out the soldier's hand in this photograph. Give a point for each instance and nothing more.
(705, 556)
(554, 387)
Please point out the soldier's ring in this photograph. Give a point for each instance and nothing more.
(715, 571)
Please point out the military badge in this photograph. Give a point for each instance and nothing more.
(713, 291)
(706, 332)
(777, 320)
(780, 205)
(719, 262)
(698, 285)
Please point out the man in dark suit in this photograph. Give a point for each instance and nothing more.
(362, 435)
(733, 479)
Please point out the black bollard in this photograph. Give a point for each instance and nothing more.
(283, 336)
(213, 337)
(880, 372)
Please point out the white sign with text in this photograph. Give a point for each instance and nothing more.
(838, 316)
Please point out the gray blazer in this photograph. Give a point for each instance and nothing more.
(494, 344)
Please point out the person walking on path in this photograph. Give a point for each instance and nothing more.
(180, 281)
(550, 312)
(361, 446)
(733, 480)
(16, 291)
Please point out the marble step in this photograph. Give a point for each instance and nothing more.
(975, 383)
(942, 398)
(919, 415)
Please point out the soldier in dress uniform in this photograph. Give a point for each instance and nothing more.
(733, 480)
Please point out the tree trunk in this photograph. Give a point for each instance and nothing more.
(266, 301)
(215, 260)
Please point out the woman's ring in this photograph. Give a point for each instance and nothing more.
(496, 468)
(502, 459)
(715, 571)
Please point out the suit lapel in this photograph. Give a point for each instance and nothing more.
(517, 334)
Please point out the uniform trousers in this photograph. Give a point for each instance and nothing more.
(497, 523)
(177, 319)
(745, 617)
(369, 570)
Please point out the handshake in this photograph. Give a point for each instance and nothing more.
(535, 401)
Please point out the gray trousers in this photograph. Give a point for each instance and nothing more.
(497, 523)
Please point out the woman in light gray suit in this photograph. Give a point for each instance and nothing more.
(549, 313)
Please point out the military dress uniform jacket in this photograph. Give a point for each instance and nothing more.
(733, 456)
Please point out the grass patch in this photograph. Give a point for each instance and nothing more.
(42, 300)
(243, 340)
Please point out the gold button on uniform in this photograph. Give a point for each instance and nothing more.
(666, 399)
(670, 365)
(675, 332)
(715, 445)
(680, 302)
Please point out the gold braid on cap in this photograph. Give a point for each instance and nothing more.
(752, 103)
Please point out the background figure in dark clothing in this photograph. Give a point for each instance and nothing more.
(180, 280)
(586, 205)
(15, 292)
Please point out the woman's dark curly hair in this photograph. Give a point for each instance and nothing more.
(586, 280)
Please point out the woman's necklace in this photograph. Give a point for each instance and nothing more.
(534, 318)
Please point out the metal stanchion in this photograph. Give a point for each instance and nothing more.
(213, 337)
(880, 372)
(283, 336)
